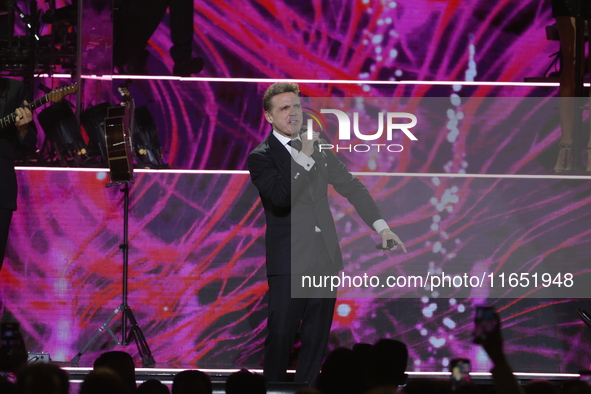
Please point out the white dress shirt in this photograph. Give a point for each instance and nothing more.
(308, 163)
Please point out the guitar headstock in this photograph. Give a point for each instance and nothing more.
(58, 94)
(124, 91)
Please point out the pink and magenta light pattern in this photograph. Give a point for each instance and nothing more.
(197, 277)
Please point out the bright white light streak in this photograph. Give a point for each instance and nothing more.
(244, 172)
(213, 371)
(325, 81)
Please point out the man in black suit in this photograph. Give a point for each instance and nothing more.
(292, 178)
(12, 101)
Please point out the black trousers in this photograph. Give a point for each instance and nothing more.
(5, 218)
(313, 317)
(181, 30)
(136, 21)
(571, 8)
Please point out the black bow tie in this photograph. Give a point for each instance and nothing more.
(296, 144)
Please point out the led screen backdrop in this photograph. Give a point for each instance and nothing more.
(197, 276)
(197, 279)
(425, 40)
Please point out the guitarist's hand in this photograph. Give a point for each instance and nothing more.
(23, 118)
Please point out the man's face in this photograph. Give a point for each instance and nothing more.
(286, 114)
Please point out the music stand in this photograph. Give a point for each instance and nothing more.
(121, 171)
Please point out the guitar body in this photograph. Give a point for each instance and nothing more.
(118, 128)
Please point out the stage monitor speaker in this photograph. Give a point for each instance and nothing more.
(146, 143)
(61, 128)
(93, 121)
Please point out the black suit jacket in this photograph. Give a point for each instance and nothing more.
(12, 94)
(293, 208)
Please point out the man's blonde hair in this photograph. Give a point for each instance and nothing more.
(278, 88)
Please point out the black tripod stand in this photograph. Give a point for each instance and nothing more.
(134, 331)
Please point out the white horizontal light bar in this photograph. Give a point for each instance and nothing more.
(483, 83)
(248, 80)
(244, 172)
(213, 371)
(66, 76)
(342, 81)
(488, 374)
(326, 81)
(137, 170)
(169, 370)
(60, 169)
(493, 176)
(547, 375)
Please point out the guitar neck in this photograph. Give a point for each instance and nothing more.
(11, 118)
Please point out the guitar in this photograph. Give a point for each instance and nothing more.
(118, 128)
(54, 96)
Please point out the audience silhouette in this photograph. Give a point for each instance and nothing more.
(245, 382)
(191, 382)
(152, 386)
(103, 380)
(6, 387)
(122, 364)
(42, 378)
(365, 369)
(341, 373)
(388, 362)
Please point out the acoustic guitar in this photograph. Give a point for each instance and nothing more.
(118, 128)
(54, 96)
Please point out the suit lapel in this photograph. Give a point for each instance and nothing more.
(321, 176)
(279, 154)
(283, 159)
